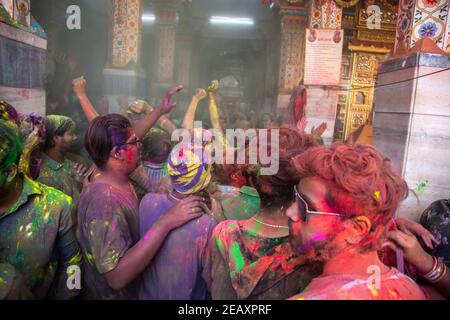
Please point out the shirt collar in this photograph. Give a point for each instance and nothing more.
(29, 188)
(52, 164)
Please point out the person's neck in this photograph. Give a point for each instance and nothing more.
(177, 196)
(56, 154)
(274, 216)
(350, 261)
(10, 194)
(115, 178)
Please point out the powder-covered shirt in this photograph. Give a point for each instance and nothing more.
(58, 175)
(12, 285)
(393, 285)
(108, 225)
(38, 240)
(176, 272)
(245, 265)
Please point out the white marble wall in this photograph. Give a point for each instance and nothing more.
(412, 127)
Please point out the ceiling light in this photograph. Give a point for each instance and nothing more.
(230, 20)
(148, 18)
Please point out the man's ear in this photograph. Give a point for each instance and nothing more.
(115, 153)
(358, 227)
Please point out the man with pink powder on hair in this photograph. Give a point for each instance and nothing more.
(346, 199)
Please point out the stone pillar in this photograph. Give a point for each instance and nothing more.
(412, 129)
(290, 73)
(165, 45)
(322, 101)
(22, 67)
(418, 19)
(123, 76)
(183, 56)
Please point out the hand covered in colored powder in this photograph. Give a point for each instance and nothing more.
(200, 94)
(214, 86)
(408, 243)
(140, 107)
(79, 86)
(166, 106)
(418, 230)
(182, 212)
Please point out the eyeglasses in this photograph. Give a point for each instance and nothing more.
(136, 142)
(304, 209)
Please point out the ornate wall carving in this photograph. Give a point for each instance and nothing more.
(291, 53)
(418, 19)
(126, 33)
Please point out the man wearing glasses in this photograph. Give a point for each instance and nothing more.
(344, 202)
(108, 212)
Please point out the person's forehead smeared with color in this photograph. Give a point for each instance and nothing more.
(189, 169)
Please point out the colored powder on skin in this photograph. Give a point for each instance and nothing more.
(235, 252)
(318, 237)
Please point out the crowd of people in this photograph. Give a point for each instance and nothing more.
(135, 216)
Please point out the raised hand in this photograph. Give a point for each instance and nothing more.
(79, 86)
(200, 94)
(140, 107)
(166, 106)
(214, 86)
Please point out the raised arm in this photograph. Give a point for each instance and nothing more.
(213, 106)
(142, 107)
(189, 117)
(79, 88)
(165, 107)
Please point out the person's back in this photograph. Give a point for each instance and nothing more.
(392, 285)
(176, 271)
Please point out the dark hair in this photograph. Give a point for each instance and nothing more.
(156, 146)
(103, 134)
(52, 130)
(276, 190)
(10, 144)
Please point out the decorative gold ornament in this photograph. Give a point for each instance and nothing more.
(346, 3)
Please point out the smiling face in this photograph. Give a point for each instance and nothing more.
(318, 235)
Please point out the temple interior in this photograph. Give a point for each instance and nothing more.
(344, 53)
